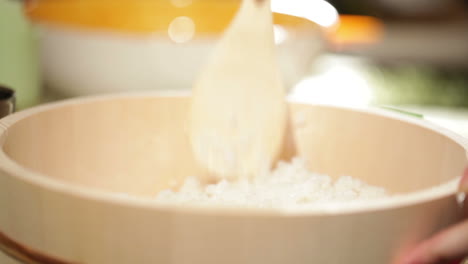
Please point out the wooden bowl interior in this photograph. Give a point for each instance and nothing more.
(139, 145)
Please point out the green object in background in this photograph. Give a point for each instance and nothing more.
(401, 111)
(419, 85)
(19, 68)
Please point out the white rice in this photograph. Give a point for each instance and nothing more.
(289, 186)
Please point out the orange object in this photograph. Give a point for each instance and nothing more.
(357, 30)
(138, 16)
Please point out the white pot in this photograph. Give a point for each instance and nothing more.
(80, 62)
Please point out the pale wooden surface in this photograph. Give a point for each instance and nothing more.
(377, 150)
(140, 144)
(4, 259)
(238, 110)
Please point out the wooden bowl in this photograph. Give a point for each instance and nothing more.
(63, 167)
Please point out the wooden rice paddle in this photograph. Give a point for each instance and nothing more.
(238, 109)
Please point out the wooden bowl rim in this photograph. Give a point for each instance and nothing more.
(9, 167)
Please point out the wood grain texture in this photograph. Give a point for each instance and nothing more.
(25, 254)
(65, 169)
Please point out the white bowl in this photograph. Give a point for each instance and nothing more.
(78, 61)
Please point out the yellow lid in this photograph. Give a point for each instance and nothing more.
(143, 16)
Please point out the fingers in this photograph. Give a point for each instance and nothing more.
(450, 244)
(463, 187)
(447, 245)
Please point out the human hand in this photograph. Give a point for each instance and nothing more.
(448, 246)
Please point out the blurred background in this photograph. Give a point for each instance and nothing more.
(408, 54)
